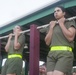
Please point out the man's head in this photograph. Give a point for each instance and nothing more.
(59, 12)
(18, 28)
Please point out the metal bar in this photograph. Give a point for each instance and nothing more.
(40, 27)
(25, 31)
(72, 18)
(13, 34)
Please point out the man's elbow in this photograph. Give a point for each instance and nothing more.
(16, 47)
(71, 39)
(47, 43)
(6, 49)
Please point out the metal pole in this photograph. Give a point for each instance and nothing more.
(0, 57)
(34, 51)
(40, 27)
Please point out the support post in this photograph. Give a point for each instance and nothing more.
(34, 51)
(0, 57)
(0, 47)
(26, 68)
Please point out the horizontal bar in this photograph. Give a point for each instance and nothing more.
(39, 27)
(13, 34)
(25, 31)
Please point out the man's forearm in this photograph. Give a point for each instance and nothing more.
(7, 45)
(67, 33)
(49, 36)
(16, 42)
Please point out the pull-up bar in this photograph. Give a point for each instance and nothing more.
(40, 27)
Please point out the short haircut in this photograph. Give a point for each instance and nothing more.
(62, 8)
(20, 27)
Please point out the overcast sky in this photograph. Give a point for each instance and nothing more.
(10, 10)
